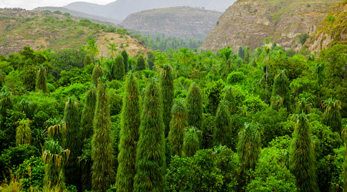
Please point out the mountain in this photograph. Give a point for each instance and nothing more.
(249, 22)
(331, 31)
(120, 9)
(81, 15)
(173, 22)
(42, 30)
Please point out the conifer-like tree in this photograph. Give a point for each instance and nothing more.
(141, 63)
(88, 114)
(304, 106)
(118, 67)
(167, 90)
(150, 154)
(241, 52)
(87, 133)
(23, 133)
(332, 116)
(178, 124)
(126, 58)
(54, 157)
(97, 73)
(194, 106)
(41, 79)
(248, 148)
(229, 100)
(87, 60)
(102, 172)
(281, 88)
(191, 143)
(129, 135)
(223, 132)
(301, 156)
(73, 142)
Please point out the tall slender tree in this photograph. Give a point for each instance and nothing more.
(126, 58)
(248, 148)
(178, 124)
(41, 79)
(118, 67)
(23, 133)
(97, 73)
(150, 154)
(281, 88)
(194, 106)
(87, 133)
(222, 133)
(129, 135)
(54, 157)
(73, 142)
(332, 116)
(167, 90)
(140, 64)
(102, 172)
(301, 156)
(191, 143)
(344, 170)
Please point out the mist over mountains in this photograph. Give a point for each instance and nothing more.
(120, 9)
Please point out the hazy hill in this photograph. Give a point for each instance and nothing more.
(174, 22)
(81, 15)
(120, 9)
(249, 22)
(43, 30)
(332, 31)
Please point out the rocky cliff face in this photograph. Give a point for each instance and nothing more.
(43, 30)
(249, 22)
(174, 22)
(332, 31)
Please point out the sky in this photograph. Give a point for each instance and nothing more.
(31, 4)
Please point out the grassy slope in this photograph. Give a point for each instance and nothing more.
(42, 30)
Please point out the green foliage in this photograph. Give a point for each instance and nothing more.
(214, 95)
(271, 173)
(102, 172)
(167, 90)
(191, 143)
(235, 77)
(302, 156)
(126, 58)
(150, 154)
(281, 88)
(97, 74)
(140, 64)
(41, 79)
(248, 149)
(331, 116)
(72, 141)
(88, 114)
(194, 106)
(118, 68)
(23, 132)
(129, 135)
(178, 124)
(223, 131)
(207, 170)
(241, 52)
(32, 172)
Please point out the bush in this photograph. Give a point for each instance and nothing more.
(235, 77)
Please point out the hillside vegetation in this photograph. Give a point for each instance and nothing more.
(43, 30)
(248, 23)
(173, 22)
(331, 31)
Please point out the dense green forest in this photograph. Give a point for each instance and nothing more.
(179, 120)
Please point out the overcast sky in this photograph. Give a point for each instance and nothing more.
(31, 4)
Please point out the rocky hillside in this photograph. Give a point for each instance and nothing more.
(174, 22)
(120, 9)
(43, 30)
(333, 30)
(249, 22)
(80, 15)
